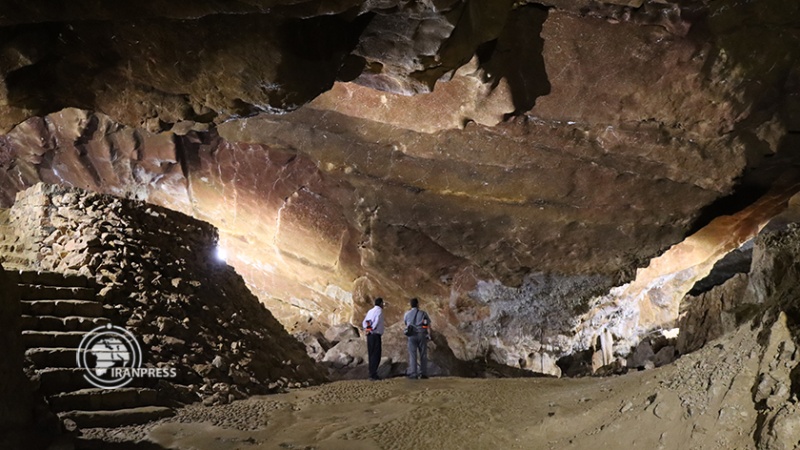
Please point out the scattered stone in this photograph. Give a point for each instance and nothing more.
(341, 332)
(661, 410)
(641, 355)
(148, 268)
(664, 356)
(219, 362)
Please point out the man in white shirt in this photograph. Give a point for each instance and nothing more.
(373, 327)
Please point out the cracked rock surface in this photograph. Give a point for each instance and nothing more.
(566, 141)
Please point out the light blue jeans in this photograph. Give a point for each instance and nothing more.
(418, 343)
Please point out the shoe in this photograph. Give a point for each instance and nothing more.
(423, 377)
(374, 379)
(412, 377)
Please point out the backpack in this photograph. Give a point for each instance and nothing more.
(411, 329)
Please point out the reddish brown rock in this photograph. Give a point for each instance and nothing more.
(579, 143)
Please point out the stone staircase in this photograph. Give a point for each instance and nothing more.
(57, 311)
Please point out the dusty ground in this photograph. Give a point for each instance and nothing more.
(703, 401)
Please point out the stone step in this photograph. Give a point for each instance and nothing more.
(117, 418)
(52, 339)
(37, 292)
(52, 279)
(63, 308)
(54, 323)
(103, 399)
(43, 358)
(61, 379)
(56, 380)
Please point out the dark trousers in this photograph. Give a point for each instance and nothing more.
(418, 343)
(374, 350)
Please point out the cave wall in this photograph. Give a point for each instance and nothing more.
(549, 150)
(316, 255)
(268, 204)
(771, 298)
(711, 314)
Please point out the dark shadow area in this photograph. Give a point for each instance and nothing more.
(66, 61)
(577, 364)
(317, 53)
(99, 444)
(756, 181)
(138, 68)
(737, 261)
(516, 56)
(33, 84)
(742, 197)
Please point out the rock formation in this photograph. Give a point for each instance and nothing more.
(738, 391)
(162, 281)
(711, 314)
(509, 163)
(772, 288)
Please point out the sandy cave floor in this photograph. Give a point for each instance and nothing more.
(703, 401)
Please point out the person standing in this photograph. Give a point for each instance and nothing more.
(418, 330)
(373, 327)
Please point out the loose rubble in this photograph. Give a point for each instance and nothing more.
(157, 270)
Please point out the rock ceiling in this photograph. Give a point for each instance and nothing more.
(347, 149)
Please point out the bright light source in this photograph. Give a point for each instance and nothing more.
(671, 334)
(222, 254)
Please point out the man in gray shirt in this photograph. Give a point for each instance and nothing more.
(418, 324)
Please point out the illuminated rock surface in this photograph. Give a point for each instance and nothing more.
(734, 393)
(158, 277)
(569, 187)
(550, 151)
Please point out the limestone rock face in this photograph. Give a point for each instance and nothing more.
(780, 429)
(147, 62)
(546, 154)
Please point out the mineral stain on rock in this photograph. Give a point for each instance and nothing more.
(560, 183)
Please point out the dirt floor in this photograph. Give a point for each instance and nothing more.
(703, 401)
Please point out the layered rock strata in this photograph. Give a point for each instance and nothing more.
(553, 148)
(329, 245)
